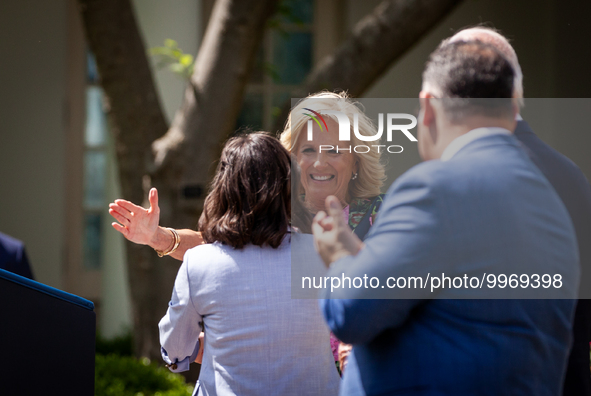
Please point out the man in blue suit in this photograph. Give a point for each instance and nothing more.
(13, 257)
(476, 206)
(575, 192)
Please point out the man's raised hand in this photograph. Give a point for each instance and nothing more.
(332, 236)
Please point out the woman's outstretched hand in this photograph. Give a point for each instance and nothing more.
(137, 224)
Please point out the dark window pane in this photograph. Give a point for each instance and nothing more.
(292, 56)
(91, 69)
(95, 164)
(279, 99)
(92, 240)
(297, 11)
(258, 71)
(95, 133)
(251, 115)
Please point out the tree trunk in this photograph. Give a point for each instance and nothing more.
(377, 41)
(135, 120)
(182, 156)
(135, 115)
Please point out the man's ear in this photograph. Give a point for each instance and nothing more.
(425, 98)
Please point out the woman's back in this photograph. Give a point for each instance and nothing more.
(257, 339)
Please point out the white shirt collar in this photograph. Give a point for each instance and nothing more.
(458, 143)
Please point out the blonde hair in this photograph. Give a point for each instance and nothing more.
(371, 172)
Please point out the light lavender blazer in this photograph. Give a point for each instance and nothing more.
(258, 341)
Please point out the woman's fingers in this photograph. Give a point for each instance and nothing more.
(120, 209)
(153, 198)
(121, 219)
(123, 212)
(129, 206)
(120, 228)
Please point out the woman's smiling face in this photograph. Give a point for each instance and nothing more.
(325, 172)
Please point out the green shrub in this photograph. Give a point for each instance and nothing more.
(121, 345)
(127, 376)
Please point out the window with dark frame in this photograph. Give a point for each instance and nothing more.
(95, 167)
(283, 62)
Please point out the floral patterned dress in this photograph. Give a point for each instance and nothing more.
(358, 207)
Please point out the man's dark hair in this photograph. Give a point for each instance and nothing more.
(250, 196)
(473, 78)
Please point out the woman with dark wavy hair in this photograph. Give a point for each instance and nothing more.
(250, 197)
(257, 339)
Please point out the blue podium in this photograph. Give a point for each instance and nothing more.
(47, 338)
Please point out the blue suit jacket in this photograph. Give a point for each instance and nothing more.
(13, 257)
(575, 192)
(488, 209)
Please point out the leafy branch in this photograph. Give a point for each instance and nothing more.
(172, 57)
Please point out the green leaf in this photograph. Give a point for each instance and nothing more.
(176, 53)
(186, 60)
(170, 43)
(172, 56)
